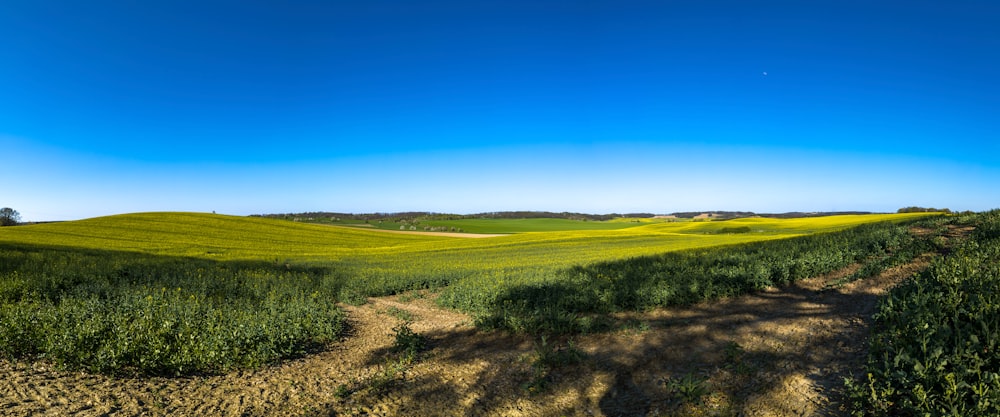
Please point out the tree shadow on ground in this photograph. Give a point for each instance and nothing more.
(746, 349)
(777, 352)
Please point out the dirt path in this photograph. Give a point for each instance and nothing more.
(782, 352)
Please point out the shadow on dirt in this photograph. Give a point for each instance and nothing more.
(778, 352)
(742, 350)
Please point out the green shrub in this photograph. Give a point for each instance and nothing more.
(408, 343)
(548, 357)
(688, 388)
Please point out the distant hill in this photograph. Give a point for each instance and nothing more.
(411, 215)
(425, 215)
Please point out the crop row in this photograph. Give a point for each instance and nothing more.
(113, 312)
(935, 348)
(578, 299)
(485, 267)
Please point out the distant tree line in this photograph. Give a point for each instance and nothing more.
(326, 215)
(713, 214)
(722, 215)
(410, 216)
(551, 215)
(799, 214)
(915, 209)
(423, 215)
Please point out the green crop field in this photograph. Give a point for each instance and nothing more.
(532, 225)
(177, 293)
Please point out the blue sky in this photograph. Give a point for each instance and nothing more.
(248, 107)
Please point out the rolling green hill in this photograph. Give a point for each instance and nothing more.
(529, 225)
(230, 237)
(382, 262)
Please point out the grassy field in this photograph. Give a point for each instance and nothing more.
(481, 225)
(177, 293)
(532, 225)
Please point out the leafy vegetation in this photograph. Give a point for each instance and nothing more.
(914, 209)
(407, 343)
(578, 299)
(934, 351)
(123, 313)
(9, 217)
(688, 388)
(547, 357)
(404, 353)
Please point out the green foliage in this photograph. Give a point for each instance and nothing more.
(555, 355)
(410, 296)
(343, 391)
(404, 315)
(934, 351)
(527, 225)
(898, 249)
(914, 209)
(635, 326)
(125, 313)
(688, 388)
(577, 299)
(388, 374)
(735, 359)
(548, 357)
(9, 217)
(403, 354)
(737, 229)
(408, 343)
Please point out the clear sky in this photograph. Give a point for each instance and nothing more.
(246, 107)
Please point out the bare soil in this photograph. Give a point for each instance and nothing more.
(781, 352)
